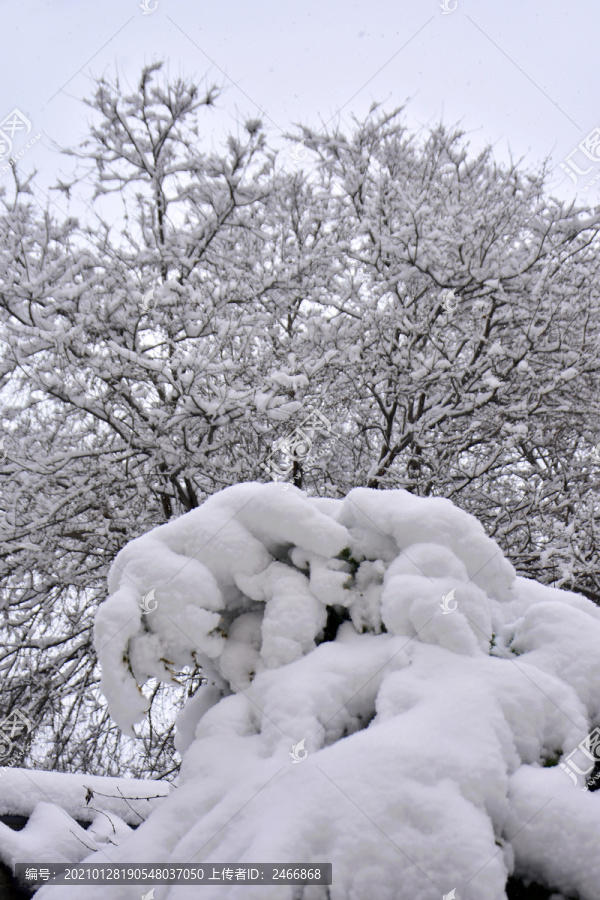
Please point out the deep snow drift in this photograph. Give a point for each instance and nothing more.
(434, 717)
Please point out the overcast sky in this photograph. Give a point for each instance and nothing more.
(518, 74)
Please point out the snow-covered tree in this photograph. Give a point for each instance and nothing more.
(433, 314)
(150, 366)
(117, 392)
(464, 314)
(382, 693)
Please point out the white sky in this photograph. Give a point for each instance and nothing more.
(515, 73)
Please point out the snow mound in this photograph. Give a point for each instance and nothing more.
(55, 802)
(79, 795)
(382, 693)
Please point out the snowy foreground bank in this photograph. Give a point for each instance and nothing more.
(429, 694)
(54, 803)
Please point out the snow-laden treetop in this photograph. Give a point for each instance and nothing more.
(246, 579)
(383, 693)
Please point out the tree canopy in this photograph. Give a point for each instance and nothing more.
(435, 310)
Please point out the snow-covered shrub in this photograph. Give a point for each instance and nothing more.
(434, 691)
